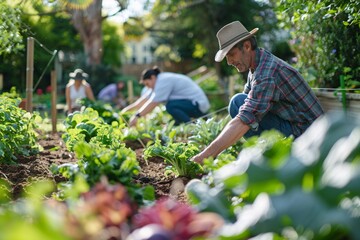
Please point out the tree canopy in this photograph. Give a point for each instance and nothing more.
(190, 27)
(324, 34)
(52, 28)
(10, 22)
(325, 37)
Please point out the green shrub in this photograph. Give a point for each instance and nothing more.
(17, 130)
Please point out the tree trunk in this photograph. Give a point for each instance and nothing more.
(88, 24)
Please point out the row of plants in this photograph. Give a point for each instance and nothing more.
(106, 211)
(266, 187)
(99, 200)
(100, 150)
(280, 189)
(17, 129)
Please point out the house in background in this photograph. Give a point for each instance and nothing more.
(139, 54)
(140, 51)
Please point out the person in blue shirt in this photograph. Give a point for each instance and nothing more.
(182, 97)
(112, 94)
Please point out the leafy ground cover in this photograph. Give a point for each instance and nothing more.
(268, 185)
(37, 167)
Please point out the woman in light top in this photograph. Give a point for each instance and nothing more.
(182, 97)
(77, 89)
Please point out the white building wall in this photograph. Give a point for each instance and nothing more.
(140, 51)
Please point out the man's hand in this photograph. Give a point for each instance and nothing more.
(199, 158)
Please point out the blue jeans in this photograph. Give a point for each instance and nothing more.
(269, 121)
(183, 110)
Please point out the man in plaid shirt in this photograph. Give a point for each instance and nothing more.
(275, 96)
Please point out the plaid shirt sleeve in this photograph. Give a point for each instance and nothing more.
(259, 100)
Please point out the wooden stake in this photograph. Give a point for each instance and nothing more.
(53, 101)
(231, 86)
(1, 82)
(130, 91)
(29, 73)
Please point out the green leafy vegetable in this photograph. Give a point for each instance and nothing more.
(178, 155)
(17, 129)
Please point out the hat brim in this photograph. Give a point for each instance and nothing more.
(220, 55)
(73, 75)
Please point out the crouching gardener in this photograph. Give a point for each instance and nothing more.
(275, 95)
(182, 97)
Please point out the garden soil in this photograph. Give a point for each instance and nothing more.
(34, 168)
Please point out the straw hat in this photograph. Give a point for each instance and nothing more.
(229, 35)
(78, 74)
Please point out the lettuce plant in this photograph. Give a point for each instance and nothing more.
(205, 131)
(17, 130)
(178, 155)
(101, 152)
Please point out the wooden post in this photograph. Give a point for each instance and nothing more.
(231, 86)
(53, 101)
(343, 92)
(58, 67)
(130, 91)
(1, 82)
(29, 73)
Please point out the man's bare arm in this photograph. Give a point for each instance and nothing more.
(231, 133)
